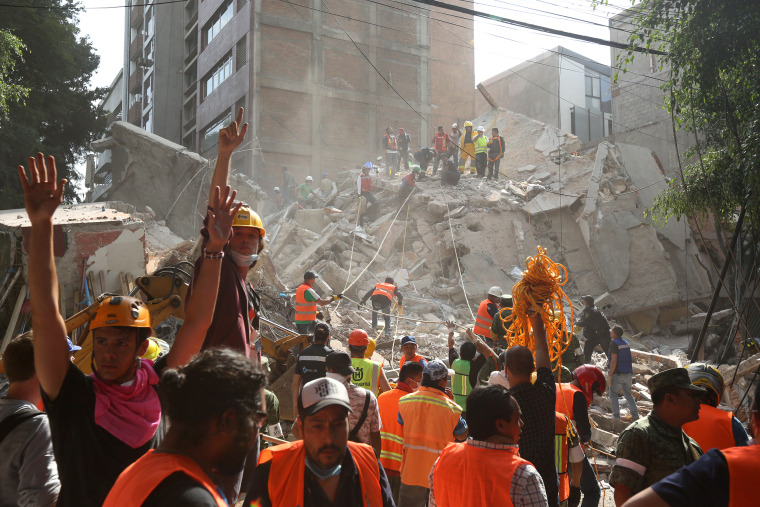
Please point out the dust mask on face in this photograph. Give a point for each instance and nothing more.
(243, 259)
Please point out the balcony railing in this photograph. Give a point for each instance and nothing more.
(135, 113)
(135, 79)
(136, 14)
(136, 46)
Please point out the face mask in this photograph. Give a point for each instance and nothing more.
(322, 473)
(337, 376)
(242, 259)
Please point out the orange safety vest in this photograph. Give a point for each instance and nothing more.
(385, 289)
(561, 454)
(429, 420)
(483, 320)
(286, 475)
(138, 480)
(565, 396)
(416, 359)
(366, 183)
(306, 311)
(713, 429)
(468, 475)
(392, 433)
(743, 464)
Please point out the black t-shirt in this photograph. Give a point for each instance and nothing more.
(89, 458)
(311, 362)
(180, 489)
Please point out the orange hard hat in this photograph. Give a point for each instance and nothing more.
(121, 311)
(358, 338)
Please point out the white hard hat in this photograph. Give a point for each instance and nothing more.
(495, 290)
(481, 129)
(309, 178)
(276, 189)
(453, 125)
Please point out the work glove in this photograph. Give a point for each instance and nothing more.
(336, 297)
(575, 497)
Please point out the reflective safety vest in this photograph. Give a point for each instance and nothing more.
(466, 475)
(367, 374)
(743, 464)
(366, 183)
(430, 418)
(441, 140)
(561, 454)
(481, 144)
(138, 480)
(392, 433)
(565, 395)
(460, 383)
(306, 311)
(416, 359)
(483, 320)
(385, 289)
(624, 359)
(713, 429)
(286, 475)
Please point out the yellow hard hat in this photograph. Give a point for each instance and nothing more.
(121, 311)
(370, 348)
(246, 217)
(467, 124)
(153, 350)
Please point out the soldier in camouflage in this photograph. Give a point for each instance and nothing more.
(654, 447)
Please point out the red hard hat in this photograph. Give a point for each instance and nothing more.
(358, 338)
(591, 380)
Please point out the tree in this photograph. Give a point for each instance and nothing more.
(10, 49)
(59, 116)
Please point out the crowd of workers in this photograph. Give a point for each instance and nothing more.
(491, 427)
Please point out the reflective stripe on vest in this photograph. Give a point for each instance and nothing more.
(306, 311)
(138, 480)
(460, 383)
(392, 433)
(466, 475)
(366, 183)
(743, 464)
(288, 463)
(385, 289)
(565, 394)
(713, 429)
(367, 374)
(429, 421)
(561, 453)
(481, 144)
(483, 320)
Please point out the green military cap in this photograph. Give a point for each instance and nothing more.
(676, 377)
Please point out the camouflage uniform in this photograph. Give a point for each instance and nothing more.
(649, 450)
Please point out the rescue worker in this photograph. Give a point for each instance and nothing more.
(102, 423)
(431, 421)
(720, 478)
(306, 196)
(568, 456)
(715, 428)
(481, 152)
(596, 329)
(307, 301)
(392, 433)
(573, 400)
(655, 446)
(454, 138)
(409, 349)
(382, 297)
(497, 327)
(403, 140)
(620, 370)
(364, 420)
(466, 366)
(323, 468)
(487, 469)
(310, 364)
(369, 374)
(364, 189)
(325, 186)
(288, 185)
(466, 148)
(483, 323)
(495, 154)
(450, 174)
(408, 184)
(390, 146)
(424, 156)
(216, 406)
(440, 142)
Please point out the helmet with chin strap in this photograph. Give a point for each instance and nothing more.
(591, 380)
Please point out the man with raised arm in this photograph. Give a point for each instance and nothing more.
(103, 422)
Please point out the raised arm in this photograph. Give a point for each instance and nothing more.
(42, 196)
(542, 345)
(230, 138)
(200, 307)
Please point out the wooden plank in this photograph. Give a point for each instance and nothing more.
(130, 282)
(124, 284)
(91, 282)
(10, 287)
(102, 278)
(11, 329)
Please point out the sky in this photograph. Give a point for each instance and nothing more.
(497, 46)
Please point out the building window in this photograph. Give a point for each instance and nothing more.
(241, 54)
(150, 23)
(220, 18)
(148, 121)
(593, 93)
(210, 134)
(218, 74)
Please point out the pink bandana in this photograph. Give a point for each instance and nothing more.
(130, 413)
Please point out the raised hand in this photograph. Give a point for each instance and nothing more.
(42, 193)
(231, 136)
(220, 219)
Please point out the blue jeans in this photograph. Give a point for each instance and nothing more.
(622, 381)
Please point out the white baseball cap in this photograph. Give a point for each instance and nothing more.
(321, 393)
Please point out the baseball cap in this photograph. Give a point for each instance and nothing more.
(321, 393)
(72, 347)
(437, 370)
(310, 275)
(675, 377)
(340, 362)
(408, 339)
